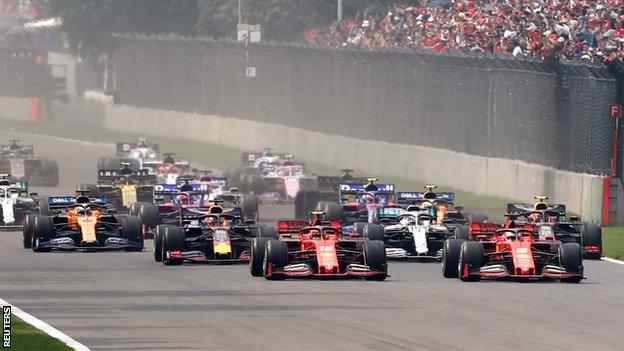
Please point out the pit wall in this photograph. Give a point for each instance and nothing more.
(582, 193)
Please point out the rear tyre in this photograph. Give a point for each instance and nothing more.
(28, 226)
(267, 232)
(450, 257)
(375, 259)
(333, 211)
(477, 217)
(148, 214)
(256, 262)
(249, 204)
(373, 232)
(134, 208)
(591, 235)
(300, 212)
(91, 188)
(275, 258)
(131, 230)
(358, 227)
(173, 240)
(43, 231)
(462, 232)
(312, 197)
(470, 258)
(44, 206)
(571, 260)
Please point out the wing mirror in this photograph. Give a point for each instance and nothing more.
(250, 221)
(112, 211)
(459, 208)
(574, 218)
(34, 194)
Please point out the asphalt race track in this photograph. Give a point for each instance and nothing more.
(126, 301)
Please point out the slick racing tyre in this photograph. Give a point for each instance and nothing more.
(256, 262)
(570, 259)
(591, 235)
(43, 230)
(375, 259)
(470, 259)
(462, 232)
(131, 230)
(148, 214)
(358, 227)
(373, 232)
(158, 240)
(267, 232)
(28, 227)
(333, 210)
(275, 257)
(450, 257)
(173, 240)
(250, 204)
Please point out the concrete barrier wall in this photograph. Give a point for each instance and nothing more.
(582, 193)
(76, 110)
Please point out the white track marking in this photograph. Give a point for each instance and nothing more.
(612, 260)
(45, 327)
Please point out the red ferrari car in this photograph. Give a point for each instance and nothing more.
(516, 253)
(317, 249)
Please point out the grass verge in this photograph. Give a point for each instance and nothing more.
(613, 242)
(28, 338)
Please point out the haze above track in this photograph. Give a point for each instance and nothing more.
(126, 301)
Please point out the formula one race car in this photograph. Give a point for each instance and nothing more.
(15, 203)
(147, 153)
(358, 202)
(122, 187)
(169, 169)
(327, 189)
(513, 253)
(317, 249)
(20, 161)
(205, 234)
(81, 223)
(542, 217)
(419, 230)
(272, 177)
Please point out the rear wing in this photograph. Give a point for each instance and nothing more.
(412, 197)
(110, 175)
(519, 208)
(291, 226)
(249, 158)
(172, 189)
(23, 149)
(483, 230)
(61, 202)
(357, 188)
(125, 149)
(389, 212)
(332, 183)
(221, 181)
(22, 186)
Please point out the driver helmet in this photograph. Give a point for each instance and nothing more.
(511, 236)
(368, 198)
(315, 233)
(182, 198)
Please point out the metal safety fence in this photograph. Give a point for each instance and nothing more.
(545, 113)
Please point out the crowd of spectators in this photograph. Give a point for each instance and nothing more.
(591, 31)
